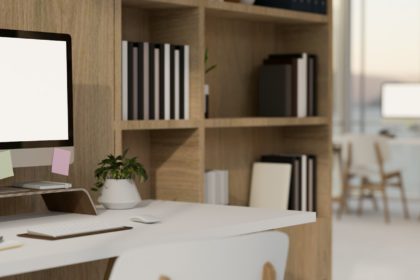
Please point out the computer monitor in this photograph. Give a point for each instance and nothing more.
(36, 95)
(400, 100)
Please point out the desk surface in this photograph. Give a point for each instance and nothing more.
(180, 222)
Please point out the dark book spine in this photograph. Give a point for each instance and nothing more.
(172, 81)
(181, 83)
(140, 79)
(151, 81)
(130, 80)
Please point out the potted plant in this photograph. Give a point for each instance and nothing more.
(115, 178)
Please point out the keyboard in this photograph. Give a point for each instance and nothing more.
(74, 229)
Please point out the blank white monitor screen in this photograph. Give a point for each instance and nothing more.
(401, 100)
(33, 90)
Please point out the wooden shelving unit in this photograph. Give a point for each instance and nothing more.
(176, 153)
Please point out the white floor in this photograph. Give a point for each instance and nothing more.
(365, 248)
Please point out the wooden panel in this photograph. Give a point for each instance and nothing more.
(161, 124)
(264, 122)
(138, 143)
(176, 165)
(259, 13)
(238, 48)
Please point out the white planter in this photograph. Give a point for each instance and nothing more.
(119, 194)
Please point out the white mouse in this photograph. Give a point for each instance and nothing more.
(145, 219)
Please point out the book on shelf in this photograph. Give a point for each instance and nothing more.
(216, 187)
(270, 185)
(302, 187)
(287, 86)
(155, 81)
(311, 6)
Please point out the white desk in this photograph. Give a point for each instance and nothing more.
(180, 221)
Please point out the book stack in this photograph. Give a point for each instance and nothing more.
(284, 182)
(216, 187)
(287, 86)
(311, 6)
(155, 81)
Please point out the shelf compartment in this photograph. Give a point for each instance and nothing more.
(260, 13)
(264, 122)
(172, 160)
(156, 124)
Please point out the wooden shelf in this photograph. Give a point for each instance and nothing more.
(259, 13)
(157, 124)
(264, 122)
(161, 4)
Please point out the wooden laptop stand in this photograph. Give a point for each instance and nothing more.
(73, 200)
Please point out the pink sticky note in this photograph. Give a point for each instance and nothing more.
(61, 161)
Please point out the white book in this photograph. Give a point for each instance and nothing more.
(187, 82)
(224, 187)
(210, 187)
(177, 84)
(124, 78)
(135, 82)
(146, 78)
(304, 182)
(302, 86)
(157, 88)
(167, 81)
(270, 185)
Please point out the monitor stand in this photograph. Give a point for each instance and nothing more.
(72, 200)
(44, 185)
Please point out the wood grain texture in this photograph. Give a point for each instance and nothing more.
(259, 13)
(238, 48)
(264, 122)
(176, 165)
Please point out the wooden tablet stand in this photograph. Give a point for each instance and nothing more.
(72, 200)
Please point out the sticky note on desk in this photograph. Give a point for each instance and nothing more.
(61, 161)
(6, 166)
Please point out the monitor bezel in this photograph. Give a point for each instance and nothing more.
(51, 37)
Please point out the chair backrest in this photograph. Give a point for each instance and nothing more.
(365, 152)
(245, 257)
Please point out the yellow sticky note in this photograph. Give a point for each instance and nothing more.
(6, 167)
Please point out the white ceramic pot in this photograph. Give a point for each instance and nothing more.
(119, 194)
(249, 2)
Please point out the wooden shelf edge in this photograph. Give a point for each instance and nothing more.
(157, 124)
(264, 122)
(161, 4)
(237, 10)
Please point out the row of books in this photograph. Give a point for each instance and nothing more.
(155, 81)
(287, 86)
(216, 187)
(286, 182)
(312, 6)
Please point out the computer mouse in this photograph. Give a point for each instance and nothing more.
(145, 219)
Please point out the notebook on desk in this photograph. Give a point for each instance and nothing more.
(71, 230)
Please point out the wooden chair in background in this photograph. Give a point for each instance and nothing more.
(248, 257)
(366, 158)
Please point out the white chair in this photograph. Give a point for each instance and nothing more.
(366, 158)
(247, 257)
